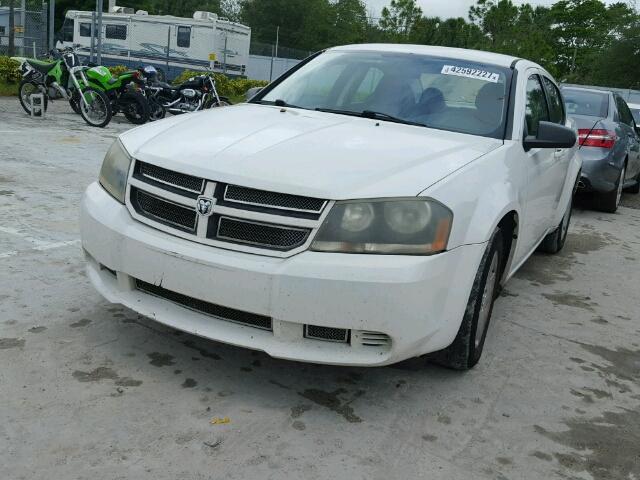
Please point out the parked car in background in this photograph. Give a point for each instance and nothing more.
(635, 111)
(609, 144)
(362, 209)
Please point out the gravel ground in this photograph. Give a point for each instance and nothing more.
(90, 390)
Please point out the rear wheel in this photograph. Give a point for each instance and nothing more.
(97, 109)
(608, 202)
(466, 349)
(25, 90)
(74, 102)
(135, 107)
(554, 241)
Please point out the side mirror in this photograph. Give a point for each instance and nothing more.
(551, 135)
(252, 92)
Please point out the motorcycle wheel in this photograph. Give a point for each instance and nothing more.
(156, 111)
(74, 102)
(26, 89)
(135, 107)
(97, 111)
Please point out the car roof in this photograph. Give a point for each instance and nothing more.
(461, 53)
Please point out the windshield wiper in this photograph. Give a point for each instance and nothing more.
(371, 114)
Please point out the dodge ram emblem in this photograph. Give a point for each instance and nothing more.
(204, 205)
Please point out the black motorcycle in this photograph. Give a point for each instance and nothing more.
(197, 93)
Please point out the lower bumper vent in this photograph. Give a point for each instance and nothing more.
(224, 313)
(328, 334)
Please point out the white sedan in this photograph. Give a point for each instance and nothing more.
(362, 209)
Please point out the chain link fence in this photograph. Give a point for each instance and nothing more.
(29, 27)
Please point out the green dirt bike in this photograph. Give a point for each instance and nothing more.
(124, 93)
(63, 77)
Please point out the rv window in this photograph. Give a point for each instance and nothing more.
(85, 29)
(119, 32)
(184, 37)
(2, 30)
(67, 30)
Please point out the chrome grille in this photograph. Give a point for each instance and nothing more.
(163, 210)
(169, 177)
(240, 218)
(263, 198)
(261, 234)
(218, 311)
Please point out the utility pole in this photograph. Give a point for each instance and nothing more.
(12, 28)
(274, 52)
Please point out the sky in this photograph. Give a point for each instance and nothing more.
(449, 8)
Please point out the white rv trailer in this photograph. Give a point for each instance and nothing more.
(171, 44)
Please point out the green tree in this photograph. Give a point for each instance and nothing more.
(399, 19)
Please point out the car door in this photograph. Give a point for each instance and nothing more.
(633, 143)
(562, 158)
(541, 192)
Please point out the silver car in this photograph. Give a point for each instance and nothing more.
(609, 144)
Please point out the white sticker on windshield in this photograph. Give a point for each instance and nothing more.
(471, 73)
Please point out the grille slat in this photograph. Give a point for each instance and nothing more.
(261, 234)
(163, 211)
(223, 313)
(263, 198)
(176, 179)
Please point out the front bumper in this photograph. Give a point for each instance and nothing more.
(417, 301)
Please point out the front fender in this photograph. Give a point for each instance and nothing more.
(480, 194)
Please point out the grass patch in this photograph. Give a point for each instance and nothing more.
(8, 89)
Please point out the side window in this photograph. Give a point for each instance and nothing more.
(2, 30)
(624, 112)
(118, 32)
(85, 29)
(536, 110)
(184, 37)
(556, 108)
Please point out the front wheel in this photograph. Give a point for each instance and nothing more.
(466, 349)
(135, 107)
(25, 90)
(96, 110)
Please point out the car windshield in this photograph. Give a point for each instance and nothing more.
(443, 93)
(582, 102)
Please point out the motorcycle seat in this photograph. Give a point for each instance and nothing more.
(164, 85)
(42, 67)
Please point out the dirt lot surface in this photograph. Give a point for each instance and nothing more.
(90, 390)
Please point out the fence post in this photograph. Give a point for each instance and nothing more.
(92, 52)
(168, 45)
(271, 69)
(99, 49)
(52, 15)
(224, 56)
(12, 28)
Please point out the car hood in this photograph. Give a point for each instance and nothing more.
(305, 152)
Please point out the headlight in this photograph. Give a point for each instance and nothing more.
(409, 226)
(114, 171)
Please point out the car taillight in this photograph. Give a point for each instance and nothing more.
(598, 137)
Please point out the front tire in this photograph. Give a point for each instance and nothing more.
(25, 90)
(97, 111)
(466, 349)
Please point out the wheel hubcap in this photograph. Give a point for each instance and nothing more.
(487, 299)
